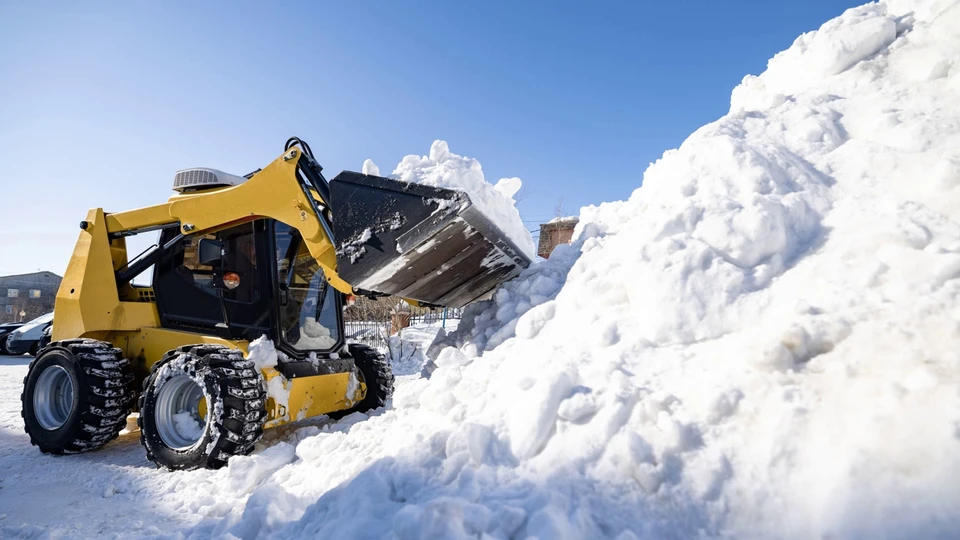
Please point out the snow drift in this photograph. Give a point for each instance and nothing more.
(762, 341)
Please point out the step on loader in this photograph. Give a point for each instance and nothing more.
(270, 255)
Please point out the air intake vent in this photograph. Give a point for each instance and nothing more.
(146, 294)
(194, 179)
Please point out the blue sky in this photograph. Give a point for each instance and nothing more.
(101, 102)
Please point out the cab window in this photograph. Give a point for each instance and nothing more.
(309, 306)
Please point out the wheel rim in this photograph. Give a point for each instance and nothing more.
(53, 397)
(179, 422)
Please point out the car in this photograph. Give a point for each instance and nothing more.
(26, 339)
(5, 330)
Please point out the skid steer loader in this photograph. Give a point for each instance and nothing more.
(270, 255)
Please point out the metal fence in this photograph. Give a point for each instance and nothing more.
(372, 322)
(370, 333)
(435, 316)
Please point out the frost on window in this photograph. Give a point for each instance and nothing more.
(34, 293)
(13, 293)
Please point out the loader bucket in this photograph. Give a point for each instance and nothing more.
(418, 242)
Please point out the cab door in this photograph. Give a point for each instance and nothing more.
(231, 298)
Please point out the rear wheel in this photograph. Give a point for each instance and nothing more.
(376, 374)
(76, 396)
(201, 405)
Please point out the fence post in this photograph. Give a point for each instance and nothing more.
(444, 323)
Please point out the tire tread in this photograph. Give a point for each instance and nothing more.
(105, 403)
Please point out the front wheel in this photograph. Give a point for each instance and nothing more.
(201, 405)
(376, 374)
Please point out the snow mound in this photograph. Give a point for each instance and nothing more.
(763, 337)
(760, 342)
(442, 168)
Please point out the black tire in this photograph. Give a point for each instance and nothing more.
(229, 384)
(101, 381)
(34, 349)
(45, 339)
(376, 373)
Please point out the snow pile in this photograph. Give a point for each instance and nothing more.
(444, 169)
(764, 337)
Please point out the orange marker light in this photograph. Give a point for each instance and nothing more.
(231, 280)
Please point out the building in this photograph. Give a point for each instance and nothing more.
(556, 232)
(29, 294)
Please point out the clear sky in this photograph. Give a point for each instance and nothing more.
(100, 102)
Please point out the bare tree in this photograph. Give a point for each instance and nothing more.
(523, 194)
(558, 210)
(30, 307)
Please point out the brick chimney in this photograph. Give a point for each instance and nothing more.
(557, 231)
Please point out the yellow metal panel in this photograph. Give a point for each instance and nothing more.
(88, 302)
(148, 345)
(87, 299)
(118, 252)
(150, 216)
(307, 397)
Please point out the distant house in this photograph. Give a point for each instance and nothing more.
(33, 294)
(557, 231)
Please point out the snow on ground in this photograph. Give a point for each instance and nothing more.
(442, 168)
(762, 341)
(117, 493)
(407, 350)
(99, 494)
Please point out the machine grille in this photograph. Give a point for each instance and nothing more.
(146, 294)
(193, 177)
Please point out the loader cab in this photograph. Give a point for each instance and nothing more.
(246, 281)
